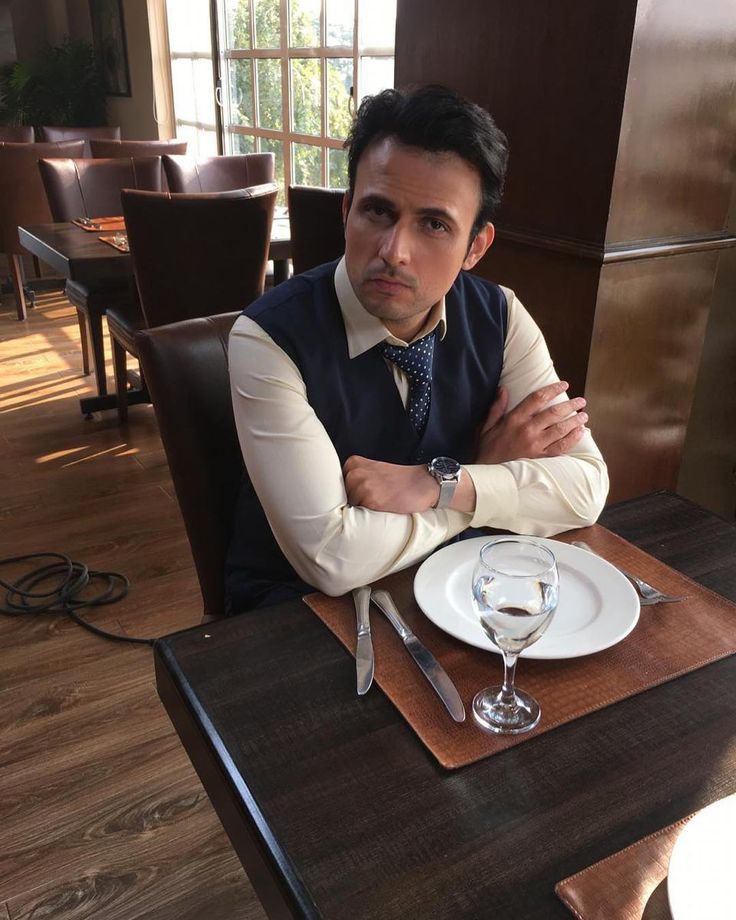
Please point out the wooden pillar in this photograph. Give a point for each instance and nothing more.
(620, 121)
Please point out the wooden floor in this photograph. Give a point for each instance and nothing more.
(101, 814)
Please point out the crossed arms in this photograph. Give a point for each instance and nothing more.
(341, 528)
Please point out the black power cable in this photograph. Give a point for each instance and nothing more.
(67, 580)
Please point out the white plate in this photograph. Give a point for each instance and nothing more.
(598, 607)
(700, 877)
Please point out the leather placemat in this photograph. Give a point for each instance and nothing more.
(629, 885)
(108, 224)
(662, 646)
(113, 241)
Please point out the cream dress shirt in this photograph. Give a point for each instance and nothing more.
(298, 478)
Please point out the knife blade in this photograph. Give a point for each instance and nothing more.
(428, 664)
(364, 649)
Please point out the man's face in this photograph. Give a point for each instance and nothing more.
(407, 231)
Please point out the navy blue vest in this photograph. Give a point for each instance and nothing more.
(358, 403)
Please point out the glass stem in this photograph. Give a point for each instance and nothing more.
(507, 696)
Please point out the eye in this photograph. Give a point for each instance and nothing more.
(435, 225)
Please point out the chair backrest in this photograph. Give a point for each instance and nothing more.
(22, 195)
(218, 174)
(103, 148)
(186, 371)
(17, 134)
(54, 133)
(317, 232)
(198, 255)
(91, 188)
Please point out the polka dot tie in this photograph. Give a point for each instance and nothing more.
(415, 361)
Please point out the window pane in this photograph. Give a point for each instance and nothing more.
(340, 21)
(201, 142)
(267, 145)
(337, 168)
(241, 93)
(268, 23)
(376, 73)
(305, 31)
(306, 95)
(193, 86)
(378, 24)
(242, 143)
(269, 93)
(339, 84)
(237, 14)
(189, 25)
(306, 163)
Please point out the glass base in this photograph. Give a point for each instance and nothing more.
(504, 718)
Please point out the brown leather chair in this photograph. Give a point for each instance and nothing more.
(23, 200)
(218, 174)
(317, 232)
(17, 134)
(91, 188)
(52, 133)
(186, 368)
(193, 255)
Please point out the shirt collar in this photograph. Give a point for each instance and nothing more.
(363, 330)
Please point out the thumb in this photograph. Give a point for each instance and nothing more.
(498, 408)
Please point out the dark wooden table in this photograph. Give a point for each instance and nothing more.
(79, 255)
(336, 810)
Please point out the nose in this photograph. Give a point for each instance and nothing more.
(395, 245)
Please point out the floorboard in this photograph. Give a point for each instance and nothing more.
(102, 815)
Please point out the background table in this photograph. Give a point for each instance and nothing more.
(336, 809)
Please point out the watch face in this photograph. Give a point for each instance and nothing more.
(445, 466)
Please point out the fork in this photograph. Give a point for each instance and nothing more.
(647, 593)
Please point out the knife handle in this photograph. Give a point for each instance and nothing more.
(362, 599)
(382, 600)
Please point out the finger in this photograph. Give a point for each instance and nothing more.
(354, 462)
(498, 408)
(565, 444)
(561, 429)
(560, 411)
(538, 400)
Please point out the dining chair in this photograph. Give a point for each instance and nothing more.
(193, 256)
(91, 188)
(185, 365)
(54, 133)
(218, 174)
(317, 232)
(23, 200)
(17, 134)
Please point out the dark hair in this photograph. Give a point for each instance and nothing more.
(437, 119)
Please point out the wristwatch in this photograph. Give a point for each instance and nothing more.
(447, 473)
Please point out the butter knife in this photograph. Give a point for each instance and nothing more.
(364, 648)
(430, 667)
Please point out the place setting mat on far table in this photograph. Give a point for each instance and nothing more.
(117, 242)
(96, 224)
(629, 885)
(660, 648)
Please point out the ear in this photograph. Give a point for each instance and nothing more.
(479, 246)
(346, 202)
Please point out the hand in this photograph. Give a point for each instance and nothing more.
(389, 486)
(534, 429)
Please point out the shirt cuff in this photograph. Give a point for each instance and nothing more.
(496, 495)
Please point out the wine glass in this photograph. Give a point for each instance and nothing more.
(515, 589)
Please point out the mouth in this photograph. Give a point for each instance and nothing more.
(387, 285)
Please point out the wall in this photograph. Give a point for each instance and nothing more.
(7, 38)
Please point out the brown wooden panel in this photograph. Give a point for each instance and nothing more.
(675, 168)
(553, 75)
(559, 291)
(647, 340)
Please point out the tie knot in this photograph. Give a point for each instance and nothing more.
(415, 361)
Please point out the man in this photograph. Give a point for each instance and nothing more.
(390, 401)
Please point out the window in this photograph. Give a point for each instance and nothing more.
(192, 76)
(290, 71)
